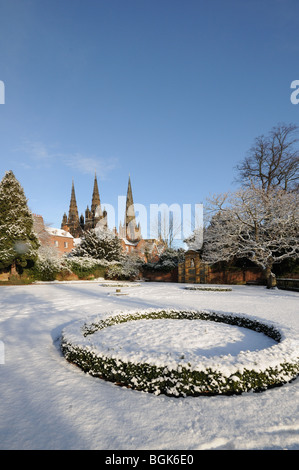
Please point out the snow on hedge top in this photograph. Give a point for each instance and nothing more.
(173, 343)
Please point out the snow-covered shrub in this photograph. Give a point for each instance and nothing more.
(248, 371)
(99, 243)
(127, 269)
(168, 261)
(49, 264)
(84, 266)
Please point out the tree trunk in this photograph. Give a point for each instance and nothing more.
(13, 270)
(270, 278)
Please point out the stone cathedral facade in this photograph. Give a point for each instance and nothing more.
(78, 225)
(94, 216)
(129, 232)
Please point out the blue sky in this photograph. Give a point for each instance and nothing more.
(172, 92)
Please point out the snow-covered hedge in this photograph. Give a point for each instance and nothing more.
(85, 266)
(250, 370)
(214, 289)
(49, 265)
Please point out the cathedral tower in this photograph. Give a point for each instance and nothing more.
(95, 215)
(130, 230)
(72, 222)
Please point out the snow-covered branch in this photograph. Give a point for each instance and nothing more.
(261, 226)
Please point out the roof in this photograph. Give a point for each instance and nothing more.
(58, 232)
(127, 242)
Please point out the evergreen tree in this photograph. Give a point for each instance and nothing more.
(99, 243)
(18, 241)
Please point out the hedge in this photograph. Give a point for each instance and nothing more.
(250, 371)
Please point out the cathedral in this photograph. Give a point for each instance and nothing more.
(95, 216)
(130, 230)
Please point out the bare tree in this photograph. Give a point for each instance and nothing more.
(166, 225)
(259, 225)
(273, 160)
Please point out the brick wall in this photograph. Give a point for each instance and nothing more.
(64, 244)
(194, 271)
(161, 276)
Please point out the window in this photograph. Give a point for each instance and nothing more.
(66, 244)
(192, 263)
(55, 243)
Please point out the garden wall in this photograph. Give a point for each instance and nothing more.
(193, 270)
(161, 276)
(288, 284)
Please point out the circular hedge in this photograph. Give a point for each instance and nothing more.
(248, 371)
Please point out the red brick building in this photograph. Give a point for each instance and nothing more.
(62, 240)
(59, 239)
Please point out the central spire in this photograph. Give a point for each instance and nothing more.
(95, 215)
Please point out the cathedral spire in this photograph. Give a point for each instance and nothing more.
(95, 196)
(132, 230)
(95, 215)
(73, 209)
(73, 222)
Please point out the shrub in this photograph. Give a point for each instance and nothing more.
(85, 267)
(168, 261)
(127, 269)
(99, 243)
(255, 371)
(48, 265)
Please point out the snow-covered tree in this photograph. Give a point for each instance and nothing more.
(18, 241)
(195, 240)
(99, 243)
(168, 260)
(252, 223)
(128, 268)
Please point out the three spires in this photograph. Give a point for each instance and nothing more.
(94, 216)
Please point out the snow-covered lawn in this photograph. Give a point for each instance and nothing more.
(48, 403)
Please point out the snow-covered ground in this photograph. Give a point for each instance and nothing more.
(48, 403)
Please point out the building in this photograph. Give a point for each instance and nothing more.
(130, 234)
(129, 231)
(78, 225)
(60, 240)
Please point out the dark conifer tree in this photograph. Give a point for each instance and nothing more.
(18, 241)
